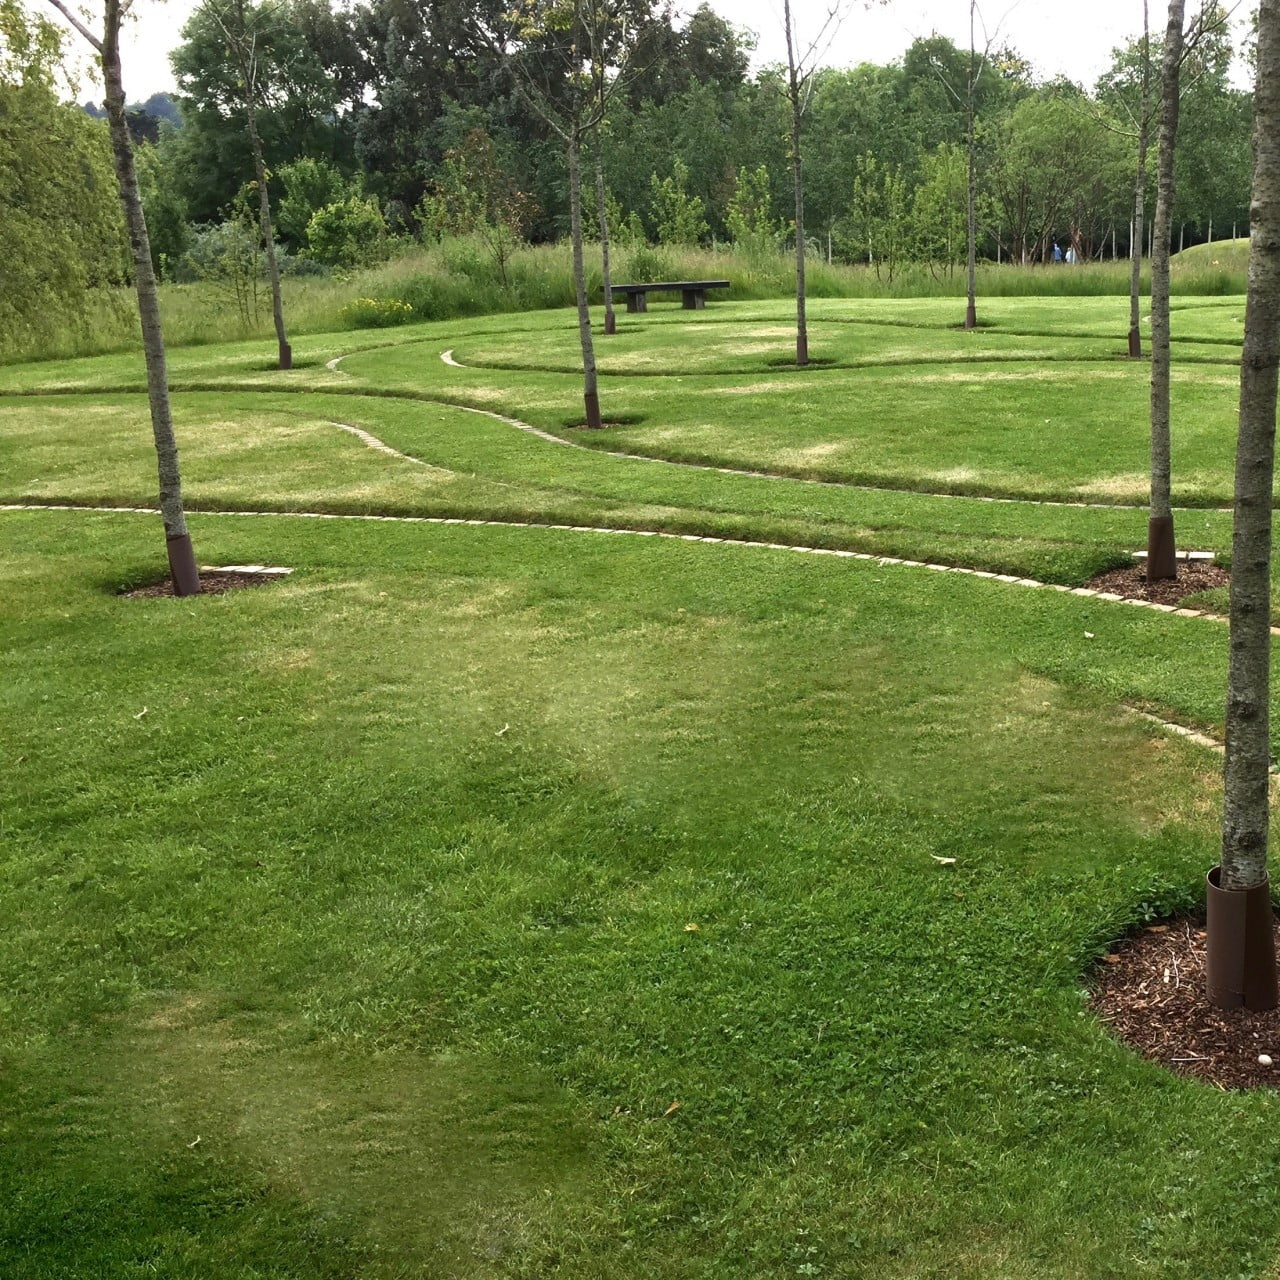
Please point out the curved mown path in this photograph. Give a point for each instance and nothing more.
(447, 358)
(458, 400)
(446, 396)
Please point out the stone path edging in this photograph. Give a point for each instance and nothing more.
(1106, 597)
(1179, 730)
(1192, 735)
(381, 446)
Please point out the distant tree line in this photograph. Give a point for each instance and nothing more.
(396, 119)
(387, 96)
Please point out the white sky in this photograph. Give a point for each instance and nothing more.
(1073, 39)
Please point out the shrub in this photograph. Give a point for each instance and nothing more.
(349, 233)
(376, 313)
(309, 186)
(645, 265)
(227, 256)
(678, 216)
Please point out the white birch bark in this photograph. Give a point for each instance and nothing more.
(794, 91)
(590, 386)
(268, 234)
(239, 34)
(1248, 761)
(182, 561)
(602, 201)
(1140, 194)
(1160, 562)
(971, 305)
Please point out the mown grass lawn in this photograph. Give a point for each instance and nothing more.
(519, 901)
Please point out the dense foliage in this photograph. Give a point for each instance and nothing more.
(61, 216)
(391, 119)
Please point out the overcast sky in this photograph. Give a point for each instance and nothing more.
(1074, 39)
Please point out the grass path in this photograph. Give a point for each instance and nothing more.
(384, 382)
(1084, 592)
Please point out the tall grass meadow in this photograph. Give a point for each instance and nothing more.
(460, 278)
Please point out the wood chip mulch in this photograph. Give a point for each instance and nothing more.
(1132, 582)
(1150, 992)
(212, 584)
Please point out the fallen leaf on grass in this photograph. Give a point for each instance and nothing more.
(946, 862)
(671, 1110)
(692, 928)
(141, 713)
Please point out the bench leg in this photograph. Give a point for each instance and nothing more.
(637, 302)
(695, 299)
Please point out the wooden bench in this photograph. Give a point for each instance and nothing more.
(694, 291)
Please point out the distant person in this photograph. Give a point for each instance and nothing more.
(1057, 252)
(1071, 256)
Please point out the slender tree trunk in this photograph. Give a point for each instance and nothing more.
(268, 236)
(610, 319)
(182, 562)
(971, 305)
(802, 319)
(1140, 195)
(794, 91)
(590, 387)
(1161, 547)
(1242, 967)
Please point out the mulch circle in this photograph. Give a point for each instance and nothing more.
(1150, 992)
(212, 583)
(1194, 576)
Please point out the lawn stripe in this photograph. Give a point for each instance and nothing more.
(447, 357)
(448, 401)
(1104, 597)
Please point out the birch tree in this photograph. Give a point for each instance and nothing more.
(1242, 968)
(182, 561)
(971, 269)
(1143, 125)
(1161, 544)
(1126, 90)
(568, 59)
(602, 213)
(976, 66)
(241, 28)
(801, 65)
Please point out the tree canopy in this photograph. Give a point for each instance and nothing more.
(58, 202)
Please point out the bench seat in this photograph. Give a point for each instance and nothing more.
(694, 293)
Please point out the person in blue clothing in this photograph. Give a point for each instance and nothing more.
(1057, 252)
